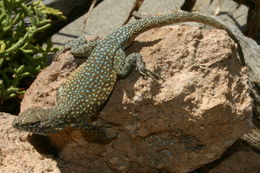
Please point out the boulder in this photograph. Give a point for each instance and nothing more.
(200, 107)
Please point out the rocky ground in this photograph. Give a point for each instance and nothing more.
(191, 120)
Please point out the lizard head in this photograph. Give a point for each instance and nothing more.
(35, 120)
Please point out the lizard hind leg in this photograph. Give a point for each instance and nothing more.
(123, 65)
(96, 134)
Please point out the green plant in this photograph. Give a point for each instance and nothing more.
(21, 57)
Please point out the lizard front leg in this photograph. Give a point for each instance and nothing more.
(79, 47)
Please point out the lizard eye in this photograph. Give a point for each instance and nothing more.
(35, 124)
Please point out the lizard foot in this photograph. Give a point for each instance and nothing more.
(149, 73)
(100, 137)
(96, 134)
(144, 71)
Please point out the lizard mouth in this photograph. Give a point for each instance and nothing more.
(35, 121)
(29, 126)
(34, 128)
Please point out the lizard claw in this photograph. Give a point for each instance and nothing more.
(145, 72)
(62, 50)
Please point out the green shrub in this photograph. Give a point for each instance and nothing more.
(21, 58)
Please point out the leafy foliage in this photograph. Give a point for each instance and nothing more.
(21, 58)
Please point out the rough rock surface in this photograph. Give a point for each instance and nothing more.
(239, 158)
(17, 155)
(177, 125)
(42, 92)
(110, 14)
(242, 161)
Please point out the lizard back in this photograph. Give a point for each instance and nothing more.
(88, 87)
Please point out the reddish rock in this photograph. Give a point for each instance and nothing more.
(186, 120)
(17, 154)
(240, 158)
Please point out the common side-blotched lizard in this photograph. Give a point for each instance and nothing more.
(86, 90)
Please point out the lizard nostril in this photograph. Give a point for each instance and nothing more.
(15, 123)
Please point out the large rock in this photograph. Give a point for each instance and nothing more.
(106, 16)
(239, 158)
(186, 120)
(17, 155)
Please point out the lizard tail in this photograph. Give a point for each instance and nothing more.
(178, 17)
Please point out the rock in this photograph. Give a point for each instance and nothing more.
(153, 7)
(239, 158)
(42, 92)
(110, 14)
(242, 161)
(106, 17)
(229, 11)
(177, 125)
(16, 154)
(253, 138)
(67, 6)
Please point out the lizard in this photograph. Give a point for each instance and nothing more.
(88, 87)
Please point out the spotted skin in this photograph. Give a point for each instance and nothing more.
(87, 88)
